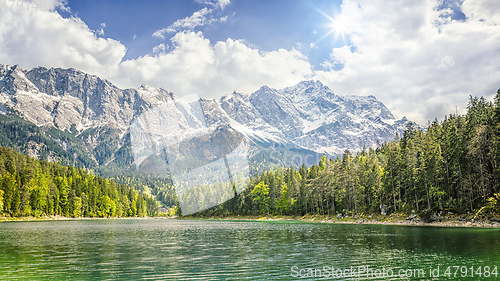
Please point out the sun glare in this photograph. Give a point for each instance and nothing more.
(337, 26)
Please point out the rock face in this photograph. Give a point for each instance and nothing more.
(307, 116)
(65, 97)
(311, 116)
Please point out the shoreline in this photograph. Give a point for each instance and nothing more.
(392, 219)
(62, 218)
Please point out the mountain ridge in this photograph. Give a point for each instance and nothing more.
(306, 116)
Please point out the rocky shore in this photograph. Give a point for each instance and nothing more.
(393, 219)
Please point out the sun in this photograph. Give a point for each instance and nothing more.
(337, 25)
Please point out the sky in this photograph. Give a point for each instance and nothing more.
(421, 58)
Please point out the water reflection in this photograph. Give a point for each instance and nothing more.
(211, 250)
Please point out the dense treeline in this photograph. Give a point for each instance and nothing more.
(160, 187)
(451, 166)
(30, 187)
(26, 137)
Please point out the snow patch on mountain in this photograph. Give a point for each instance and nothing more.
(308, 115)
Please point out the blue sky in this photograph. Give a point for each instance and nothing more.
(267, 25)
(421, 58)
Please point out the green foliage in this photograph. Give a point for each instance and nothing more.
(103, 149)
(261, 197)
(1, 201)
(453, 165)
(30, 187)
(160, 187)
(107, 143)
(492, 206)
(24, 136)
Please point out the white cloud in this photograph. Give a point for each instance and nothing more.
(339, 57)
(41, 37)
(100, 32)
(223, 19)
(195, 65)
(215, 3)
(161, 48)
(482, 10)
(44, 5)
(198, 18)
(223, 3)
(418, 65)
(419, 61)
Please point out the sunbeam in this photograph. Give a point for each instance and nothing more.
(337, 26)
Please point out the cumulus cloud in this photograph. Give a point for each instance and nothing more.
(195, 65)
(42, 37)
(415, 57)
(482, 10)
(192, 64)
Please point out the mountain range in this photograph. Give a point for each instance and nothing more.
(87, 118)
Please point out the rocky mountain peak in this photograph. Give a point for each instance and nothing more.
(308, 115)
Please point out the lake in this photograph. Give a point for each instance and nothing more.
(168, 249)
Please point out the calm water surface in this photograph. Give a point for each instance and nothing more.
(158, 249)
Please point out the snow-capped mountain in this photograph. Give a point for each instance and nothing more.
(65, 97)
(311, 116)
(307, 116)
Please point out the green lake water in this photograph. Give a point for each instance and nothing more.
(160, 249)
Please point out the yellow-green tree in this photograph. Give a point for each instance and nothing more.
(260, 195)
